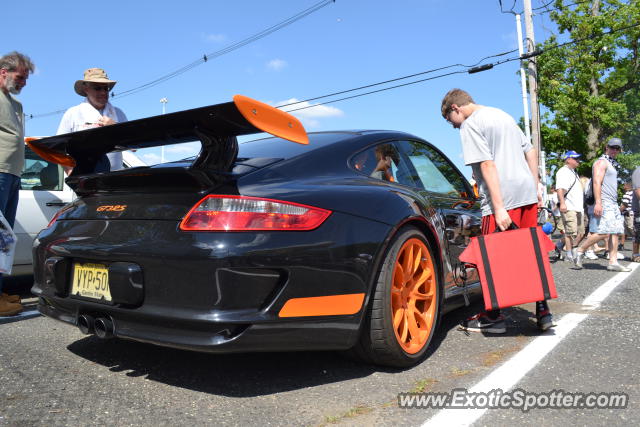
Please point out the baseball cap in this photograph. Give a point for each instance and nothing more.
(570, 155)
(614, 142)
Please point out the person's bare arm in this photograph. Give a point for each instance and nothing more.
(599, 169)
(531, 157)
(561, 192)
(490, 178)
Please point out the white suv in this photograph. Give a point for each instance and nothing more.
(43, 193)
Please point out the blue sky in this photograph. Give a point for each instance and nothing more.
(345, 44)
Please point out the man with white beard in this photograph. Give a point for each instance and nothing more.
(14, 72)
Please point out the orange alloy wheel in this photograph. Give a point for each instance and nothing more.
(413, 296)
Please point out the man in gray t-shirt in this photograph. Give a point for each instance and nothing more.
(606, 222)
(15, 69)
(505, 166)
(504, 163)
(635, 206)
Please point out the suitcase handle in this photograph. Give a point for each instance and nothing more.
(512, 226)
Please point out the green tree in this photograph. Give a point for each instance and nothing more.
(591, 87)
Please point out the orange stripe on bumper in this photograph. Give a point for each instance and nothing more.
(322, 306)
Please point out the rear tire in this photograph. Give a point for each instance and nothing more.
(405, 308)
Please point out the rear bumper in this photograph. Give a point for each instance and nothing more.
(208, 335)
(214, 292)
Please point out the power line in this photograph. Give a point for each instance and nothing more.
(544, 6)
(208, 56)
(507, 11)
(228, 49)
(400, 78)
(471, 70)
(564, 6)
(367, 93)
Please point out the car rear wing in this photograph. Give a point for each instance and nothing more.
(215, 126)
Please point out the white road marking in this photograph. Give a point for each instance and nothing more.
(511, 372)
(594, 300)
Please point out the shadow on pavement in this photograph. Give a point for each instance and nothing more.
(255, 374)
(234, 375)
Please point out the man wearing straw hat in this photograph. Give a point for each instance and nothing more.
(94, 111)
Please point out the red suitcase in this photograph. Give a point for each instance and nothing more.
(513, 266)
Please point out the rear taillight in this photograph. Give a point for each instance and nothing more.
(55, 217)
(239, 213)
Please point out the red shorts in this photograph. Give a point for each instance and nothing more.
(523, 217)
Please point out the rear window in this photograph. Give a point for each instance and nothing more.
(260, 152)
(283, 149)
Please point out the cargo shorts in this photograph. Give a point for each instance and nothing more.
(573, 223)
(628, 225)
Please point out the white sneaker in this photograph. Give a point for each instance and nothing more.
(618, 255)
(568, 256)
(618, 267)
(590, 255)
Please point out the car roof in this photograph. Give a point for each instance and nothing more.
(278, 147)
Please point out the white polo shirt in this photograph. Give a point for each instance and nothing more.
(86, 116)
(565, 178)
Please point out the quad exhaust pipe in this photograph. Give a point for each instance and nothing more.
(86, 324)
(101, 326)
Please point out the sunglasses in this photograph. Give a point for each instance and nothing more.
(99, 88)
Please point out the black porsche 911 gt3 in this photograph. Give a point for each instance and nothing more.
(348, 242)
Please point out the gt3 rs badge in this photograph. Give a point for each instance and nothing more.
(111, 208)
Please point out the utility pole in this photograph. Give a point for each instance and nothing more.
(523, 80)
(533, 85)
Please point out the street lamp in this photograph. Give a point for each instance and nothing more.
(163, 101)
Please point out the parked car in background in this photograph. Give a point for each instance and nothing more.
(43, 193)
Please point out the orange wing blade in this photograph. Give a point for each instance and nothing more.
(50, 155)
(271, 120)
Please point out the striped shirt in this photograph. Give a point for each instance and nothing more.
(626, 201)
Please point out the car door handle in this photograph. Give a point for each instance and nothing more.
(56, 203)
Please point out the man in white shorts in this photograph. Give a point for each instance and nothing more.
(607, 221)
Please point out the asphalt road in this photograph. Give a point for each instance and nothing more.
(51, 374)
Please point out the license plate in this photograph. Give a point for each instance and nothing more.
(91, 281)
